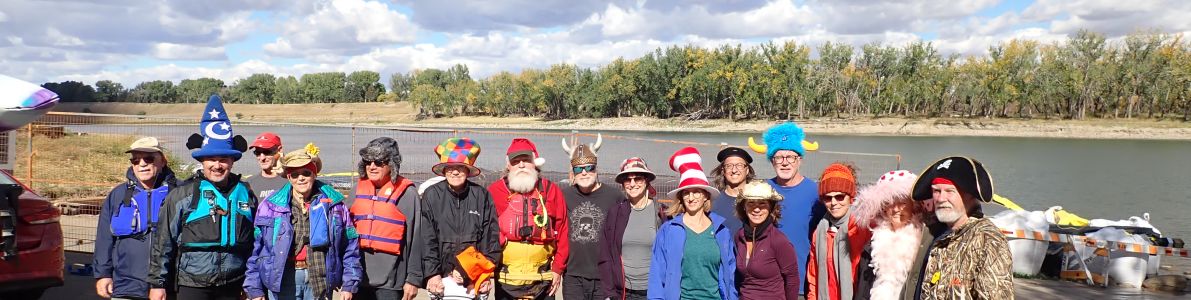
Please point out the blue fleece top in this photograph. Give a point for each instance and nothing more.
(665, 268)
(800, 209)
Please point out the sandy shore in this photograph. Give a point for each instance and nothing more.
(403, 114)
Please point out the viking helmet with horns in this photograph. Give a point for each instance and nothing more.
(583, 154)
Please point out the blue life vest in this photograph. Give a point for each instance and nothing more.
(138, 212)
(217, 221)
(319, 211)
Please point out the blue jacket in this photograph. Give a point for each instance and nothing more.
(665, 269)
(179, 255)
(125, 259)
(275, 234)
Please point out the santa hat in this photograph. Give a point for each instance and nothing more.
(892, 187)
(215, 136)
(689, 165)
(522, 146)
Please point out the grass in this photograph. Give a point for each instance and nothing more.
(75, 166)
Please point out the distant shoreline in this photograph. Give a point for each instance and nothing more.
(403, 114)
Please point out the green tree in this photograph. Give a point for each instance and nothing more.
(109, 91)
(363, 86)
(323, 87)
(198, 90)
(256, 89)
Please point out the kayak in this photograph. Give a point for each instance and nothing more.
(22, 102)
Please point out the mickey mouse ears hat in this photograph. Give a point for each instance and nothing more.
(215, 136)
(968, 175)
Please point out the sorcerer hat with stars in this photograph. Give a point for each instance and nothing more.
(215, 136)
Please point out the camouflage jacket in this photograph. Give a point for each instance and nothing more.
(973, 262)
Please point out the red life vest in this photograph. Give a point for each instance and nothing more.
(526, 218)
(379, 222)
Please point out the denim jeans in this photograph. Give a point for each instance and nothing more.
(293, 287)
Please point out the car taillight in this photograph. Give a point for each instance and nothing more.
(38, 212)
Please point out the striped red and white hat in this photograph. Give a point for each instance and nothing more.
(689, 165)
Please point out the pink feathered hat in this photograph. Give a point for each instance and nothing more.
(872, 199)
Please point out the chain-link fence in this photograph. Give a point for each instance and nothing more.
(76, 159)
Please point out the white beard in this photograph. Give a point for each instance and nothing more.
(893, 256)
(949, 215)
(523, 181)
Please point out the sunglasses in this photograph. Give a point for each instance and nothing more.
(581, 169)
(148, 159)
(378, 163)
(837, 197)
(259, 151)
(635, 178)
(302, 172)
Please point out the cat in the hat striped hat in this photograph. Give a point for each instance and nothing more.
(689, 165)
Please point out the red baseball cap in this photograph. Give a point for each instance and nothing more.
(267, 140)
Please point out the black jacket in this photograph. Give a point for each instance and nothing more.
(450, 223)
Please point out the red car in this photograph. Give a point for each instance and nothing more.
(31, 257)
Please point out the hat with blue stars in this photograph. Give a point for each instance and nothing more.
(215, 136)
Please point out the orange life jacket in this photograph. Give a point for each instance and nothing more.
(526, 219)
(380, 224)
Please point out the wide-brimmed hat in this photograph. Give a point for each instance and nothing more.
(968, 175)
(689, 165)
(892, 187)
(634, 165)
(302, 157)
(757, 189)
(457, 151)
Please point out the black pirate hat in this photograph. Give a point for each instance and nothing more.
(967, 174)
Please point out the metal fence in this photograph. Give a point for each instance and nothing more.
(75, 159)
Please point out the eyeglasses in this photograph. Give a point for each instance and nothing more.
(787, 159)
(378, 163)
(735, 166)
(302, 172)
(259, 151)
(836, 197)
(148, 159)
(580, 169)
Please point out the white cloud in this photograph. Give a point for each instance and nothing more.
(342, 27)
(171, 51)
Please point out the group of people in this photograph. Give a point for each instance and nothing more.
(285, 234)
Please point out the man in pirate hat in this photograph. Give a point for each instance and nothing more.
(785, 148)
(588, 202)
(204, 235)
(970, 260)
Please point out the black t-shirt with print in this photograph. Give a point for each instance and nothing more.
(587, 213)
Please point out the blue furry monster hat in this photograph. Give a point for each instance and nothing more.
(215, 136)
(784, 136)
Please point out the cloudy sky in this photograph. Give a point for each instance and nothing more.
(131, 41)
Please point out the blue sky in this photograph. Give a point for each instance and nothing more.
(131, 41)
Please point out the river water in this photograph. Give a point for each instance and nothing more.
(1110, 179)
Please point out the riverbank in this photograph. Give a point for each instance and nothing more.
(404, 114)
